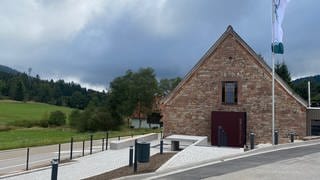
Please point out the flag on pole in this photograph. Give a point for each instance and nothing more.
(279, 7)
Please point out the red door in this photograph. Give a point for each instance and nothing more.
(228, 126)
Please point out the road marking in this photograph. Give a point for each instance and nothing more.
(24, 164)
(9, 159)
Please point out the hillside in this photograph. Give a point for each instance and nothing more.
(7, 69)
(312, 79)
(301, 87)
(21, 87)
(14, 111)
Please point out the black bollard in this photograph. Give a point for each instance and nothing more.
(91, 137)
(27, 163)
(252, 140)
(107, 137)
(118, 138)
(131, 156)
(71, 148)
(276, 137)
(291, 137)
(59, 152)
(161, 146)
(54, 171)
(135, 164)
(102, 144)
(83, 143)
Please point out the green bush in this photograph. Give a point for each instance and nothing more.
(44, 123)
(24, 123)
(94, 119)
(74, 117)
(57, 118)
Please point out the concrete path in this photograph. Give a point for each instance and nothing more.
(195, 154)
(86, 166)
(294, 163)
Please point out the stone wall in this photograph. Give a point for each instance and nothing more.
(189, 110)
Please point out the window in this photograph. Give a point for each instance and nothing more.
(229, 92)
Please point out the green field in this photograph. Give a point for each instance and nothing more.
(16, 137)
(28, 137)
(11, 111)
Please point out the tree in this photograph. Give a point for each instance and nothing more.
(282, 70)
(168, 85)
(19, 92)
(74, 117)
(94, 119)
(2, 87)
(57, 118)
(78, 100)
(133, 90)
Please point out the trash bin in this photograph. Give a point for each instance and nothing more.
(143, 153)
(175, 146)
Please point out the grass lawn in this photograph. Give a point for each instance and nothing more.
(11, 111)
(28, 137)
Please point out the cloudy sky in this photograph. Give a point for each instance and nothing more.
(93, 41)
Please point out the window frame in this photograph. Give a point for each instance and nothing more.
(224, 94)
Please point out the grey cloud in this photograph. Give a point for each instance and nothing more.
(108, 38)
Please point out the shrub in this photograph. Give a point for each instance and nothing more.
(57, 118)
(94, 119)
(74, 117)
(44, 123)
(24, 123)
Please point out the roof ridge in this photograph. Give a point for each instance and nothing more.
(261, 61)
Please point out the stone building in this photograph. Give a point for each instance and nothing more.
(229, 91)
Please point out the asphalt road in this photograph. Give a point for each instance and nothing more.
(295, 163)
(15, 160)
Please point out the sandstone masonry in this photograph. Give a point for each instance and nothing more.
(187, 110)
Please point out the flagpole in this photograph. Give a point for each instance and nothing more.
(273, 57)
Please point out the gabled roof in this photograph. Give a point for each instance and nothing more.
(213, 48)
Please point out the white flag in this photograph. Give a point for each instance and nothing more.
(279, 10)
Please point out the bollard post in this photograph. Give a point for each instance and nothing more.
(276, 137)
(251, 140)
(102, 144)
(83, 143)
(118, 138)
(27, 163)
(131, 156)
(71, 148)
(135, 164)
(54, 171)
(59, 152)
(291, 137)
(161, 146)
(107, 137)
(91, 137)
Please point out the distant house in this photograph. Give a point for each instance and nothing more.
(229, 90)
(139, 119)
